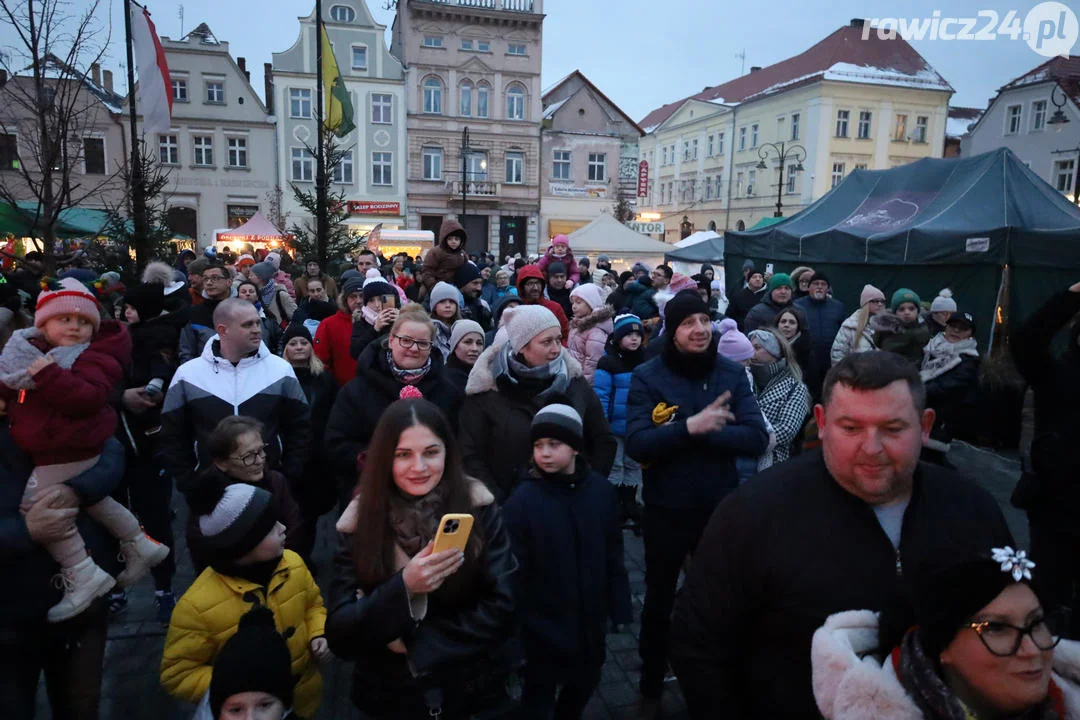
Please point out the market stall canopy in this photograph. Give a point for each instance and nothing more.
(766, 222)
(607, 236)
(256, 230)
(22, 220)
(928, 225)
(698, 237)
(709, 250)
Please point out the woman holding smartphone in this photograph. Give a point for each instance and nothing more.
(427, 631)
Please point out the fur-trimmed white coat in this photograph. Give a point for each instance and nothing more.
(849, 688)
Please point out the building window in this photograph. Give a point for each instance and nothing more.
(299, 103)
(476, 166)
(742, 138)
(837, 174)
(560, 164)
(483, 46)
(795, 118)
(738, 184)
(433, 41)
(864, 124)
(751, 181)
(718, 194)
(475, 45)
(179, 90)
(359, 57)
(381, 169)
(1063, 175)
(482, 94)
(515, 49)
(515, 103)
(922, 128)
(303, 165)
(841, 123)
(168, 150)
(900, 131)
(343, 171)
(215, 92)
(465, 109)
(710, 144)
(342, 13)
(515, 167)
(238, 152)
(204, 149)
(664, 156)
(753, 135)
(720, 144)
(466, 44)
(791, 178)
(862, 166)
(94, 156)
(433, 96)
(597, 167)
(693, 146)
(686, 150)
(382, 107)
(1038, 115)
(432, 163)
(1013, 114)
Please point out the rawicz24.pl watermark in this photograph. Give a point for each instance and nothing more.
(1049, 28)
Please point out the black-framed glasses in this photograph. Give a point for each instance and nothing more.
(213, 278)
(407, 342)
(250, 458)
(1002, 639)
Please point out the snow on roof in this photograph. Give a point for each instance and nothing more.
(957, 127)
(550, 110)
(926, 78)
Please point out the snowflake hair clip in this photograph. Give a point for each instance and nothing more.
(1015, 562)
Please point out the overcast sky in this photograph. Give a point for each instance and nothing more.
(640, 53)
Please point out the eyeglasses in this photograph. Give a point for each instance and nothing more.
(876, 302)
(212, 278)
(408, 342)
(1003, 639)
(250, 458)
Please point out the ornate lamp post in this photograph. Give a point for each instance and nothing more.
(465, 150)
(1059, 118)
(783, 153)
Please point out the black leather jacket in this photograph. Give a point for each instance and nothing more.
(455, 634)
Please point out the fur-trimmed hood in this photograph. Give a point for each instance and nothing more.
(482, 377)
(849, 684)
(158, 272)
(596, 317)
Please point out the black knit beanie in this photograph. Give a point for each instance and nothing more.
(683, 305)
(255, 659)
(148, 299)
(295, 330)
(561, 422)
(229, 520)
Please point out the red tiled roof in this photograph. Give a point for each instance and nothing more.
(846, 45)
(1066, 71)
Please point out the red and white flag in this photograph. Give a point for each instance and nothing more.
(154, 97)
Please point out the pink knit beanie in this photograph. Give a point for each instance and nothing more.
(733, 344)
(869, 292)
(68, 297)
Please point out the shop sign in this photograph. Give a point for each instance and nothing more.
(643, 178)
(647, 228)
(568, 190)
(373, 207)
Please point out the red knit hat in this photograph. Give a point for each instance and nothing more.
(67, 297)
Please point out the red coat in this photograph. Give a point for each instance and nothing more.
(68, 417)
(332, 346)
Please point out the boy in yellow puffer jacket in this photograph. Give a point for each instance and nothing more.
(236, 533)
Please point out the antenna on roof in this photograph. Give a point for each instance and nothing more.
(741, 57)
(180, 14)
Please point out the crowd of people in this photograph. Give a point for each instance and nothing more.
(784, 451)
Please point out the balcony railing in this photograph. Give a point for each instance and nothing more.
(475, 188)
(525, 6)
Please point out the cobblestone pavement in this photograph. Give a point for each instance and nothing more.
(131, 690)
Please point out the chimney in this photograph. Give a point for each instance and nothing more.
(107, 78)
(242, 63)
(857, 23)
(754, 68)
(95, 73)
(268, 86)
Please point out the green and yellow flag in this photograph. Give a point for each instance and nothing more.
(339, 109)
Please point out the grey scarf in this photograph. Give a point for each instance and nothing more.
(518, 373)
(941, 356)
(19, 353)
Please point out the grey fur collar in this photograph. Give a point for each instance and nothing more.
(482, 376)
(19, 353)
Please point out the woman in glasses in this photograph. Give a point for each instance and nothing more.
(238, 455)
(398, 365)
(856, 334)
(984, 647)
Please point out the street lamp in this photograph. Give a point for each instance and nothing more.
(783, 152)
(1059, 118)
(465, 150)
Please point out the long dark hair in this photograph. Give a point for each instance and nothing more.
(373, 540)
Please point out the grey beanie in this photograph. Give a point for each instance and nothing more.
(444, 291)
(767, 341)
(943, 302)
(462, 328)
(263, 270)
(524, 322)
(561, 422)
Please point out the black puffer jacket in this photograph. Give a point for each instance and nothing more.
(790, 548)
(361, 402)
(496, 419)
(456, 635)
(154, 354)
(315, 491)
(1056, 384)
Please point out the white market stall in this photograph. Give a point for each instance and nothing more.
(692, 268)
(258, 231)
(607, 236)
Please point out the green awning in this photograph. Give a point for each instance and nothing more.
(73, 221)
(13, 222)
(766, 222)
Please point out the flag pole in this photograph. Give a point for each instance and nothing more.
(322, 222)
(138, 197)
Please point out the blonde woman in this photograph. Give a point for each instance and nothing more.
(855, 333)
(778, 384)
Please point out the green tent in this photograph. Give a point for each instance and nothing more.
(766, 222)
(21, 221)
(931, 224)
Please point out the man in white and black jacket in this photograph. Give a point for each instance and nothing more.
(236, 375)
(846, 527)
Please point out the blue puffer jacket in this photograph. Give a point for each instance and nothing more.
(611, 382)
(684, 471)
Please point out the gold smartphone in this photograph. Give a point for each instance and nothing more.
(453, 532)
